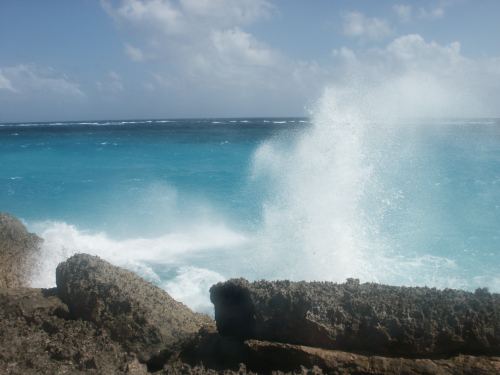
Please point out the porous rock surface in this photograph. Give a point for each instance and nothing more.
(18, 250)
(270, 356)
(367, 318)
(137, 314)
(213, 353)
(38, 337)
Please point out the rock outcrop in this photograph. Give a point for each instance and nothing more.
(102, 319)
(366, 318)
(137, 314)
(38, 337)
(18, 250)
(272, 356)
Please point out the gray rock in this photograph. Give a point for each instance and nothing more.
(18, 250)
(372, 318)
(138, 314)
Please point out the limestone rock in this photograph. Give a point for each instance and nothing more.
(372, 318)
(138, 314)
(18, 249)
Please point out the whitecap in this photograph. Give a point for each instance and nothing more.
(191, 286)
(141, 255)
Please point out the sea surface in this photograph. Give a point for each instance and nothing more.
(187, 203)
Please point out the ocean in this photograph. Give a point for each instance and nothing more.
(187, 203)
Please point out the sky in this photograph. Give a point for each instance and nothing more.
(131, 59)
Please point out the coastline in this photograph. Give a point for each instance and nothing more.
(103, 319)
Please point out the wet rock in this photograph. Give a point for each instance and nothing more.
(139, 315)
(18, 249)
(372, 318)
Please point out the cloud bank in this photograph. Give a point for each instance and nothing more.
(198, 58)
(420, 79)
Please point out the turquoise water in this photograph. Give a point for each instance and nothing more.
(190, 202)
(92, 175)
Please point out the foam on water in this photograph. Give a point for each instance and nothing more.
(338, 203)
(332, 198)
(144, 256)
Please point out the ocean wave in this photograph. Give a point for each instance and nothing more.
(191, 285)
(144, 256)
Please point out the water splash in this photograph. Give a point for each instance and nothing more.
(325, 215)
(314, 220)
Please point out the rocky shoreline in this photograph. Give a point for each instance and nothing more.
(102, 319)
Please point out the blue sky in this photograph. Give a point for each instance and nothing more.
(89, 59)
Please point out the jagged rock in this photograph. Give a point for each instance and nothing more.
(213, 353)
(373, 318)
(269, 356)
(36, 337)
(138, 314)
(18, 249)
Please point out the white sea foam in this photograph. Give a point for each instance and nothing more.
(315, 212)
(321, 220)
(174, 250)
(191, 285)
(328, 199)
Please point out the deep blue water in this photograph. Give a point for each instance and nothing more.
(190, 202)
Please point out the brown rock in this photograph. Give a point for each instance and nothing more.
(268, 356)
(372, 318)
(36, 337)
(138, 314)
(18, 249)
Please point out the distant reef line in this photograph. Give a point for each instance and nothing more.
(103, 319)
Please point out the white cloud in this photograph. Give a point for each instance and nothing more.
(188, 17)
(195, 32)
(403, 11)
(5, 83)
(202, 52)
(406, 12)
(31, 79)
(161, 14)
(202, 42)
(357, 24)
(436, 11)
(111, 84)
(228, 12)
(135, 54)
(235, 45)
(431, 13)
(416, 78)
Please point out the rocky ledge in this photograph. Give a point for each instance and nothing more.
(18, 250)
(102, 319)
(368, 318)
